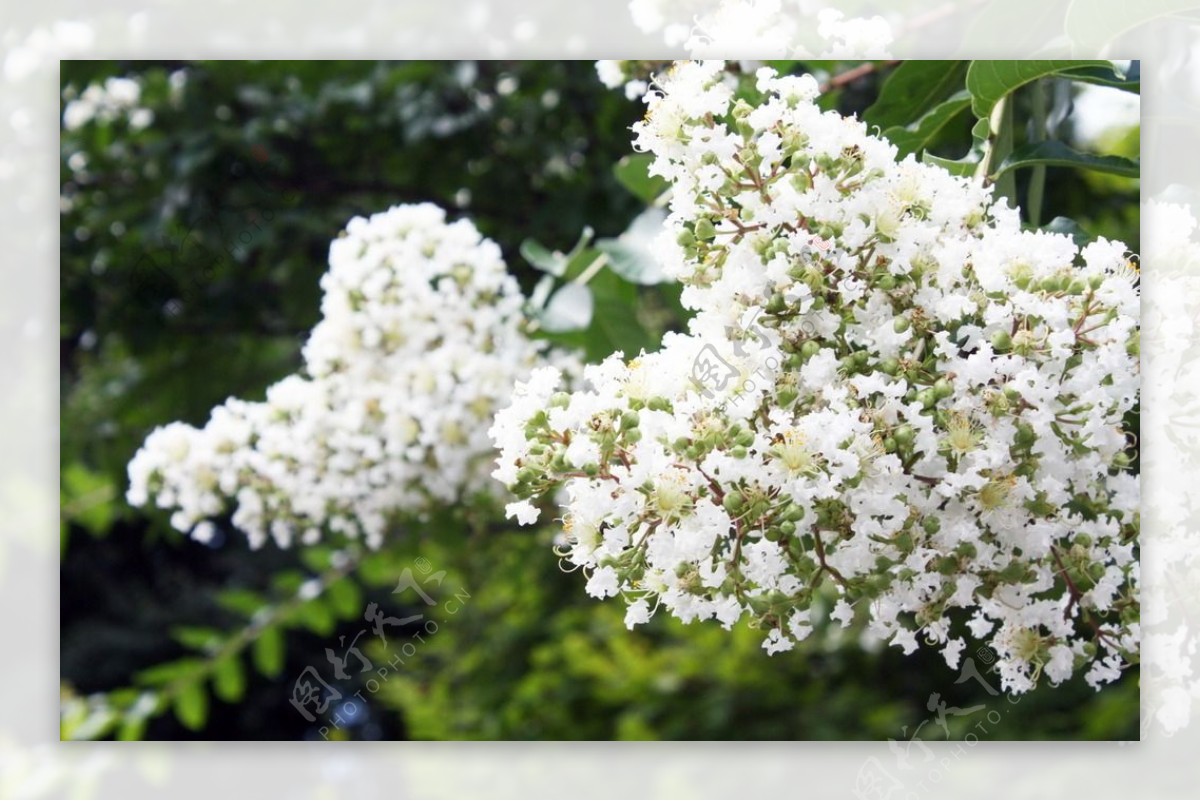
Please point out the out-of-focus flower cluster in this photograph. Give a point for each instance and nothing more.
(759, 29)
(892, 403)
(116, 98)
(1170, 436)
(422, 338)
(764, 29)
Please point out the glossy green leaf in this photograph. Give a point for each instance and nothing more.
(913, 89)
(989, 81)
(1130, 81)
(920, 134)
(965, 166)
(1057, 154)
(1065, 225)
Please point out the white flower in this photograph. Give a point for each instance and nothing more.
(524, 511)
(603, 583)
(636, 614)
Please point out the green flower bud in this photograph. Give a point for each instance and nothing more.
(1025, 436)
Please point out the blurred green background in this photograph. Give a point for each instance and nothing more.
(192, 244)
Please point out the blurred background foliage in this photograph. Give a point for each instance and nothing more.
(192, 242)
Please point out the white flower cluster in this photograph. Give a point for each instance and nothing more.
(766, 29)
(892, 401)
(1171, 443)
(116, 98)
(422, 339)
(762, 28)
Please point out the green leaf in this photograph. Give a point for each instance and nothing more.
(316, 617)
(543, 258)
(132, 727)
(229, 678)
(966, 166)
(555, 262)
(1130, 81)
(86, 498)
(633, 173)
(317, 558)
(244, 602)
(268, 652)
(1065, 225)
(615, 325)
(989, 81)
(569, 309)
(630, 255)
(170, 671)
(963, 168)
(198, 638)
(912, 90)
(191, 705)
(918, 136)
(1057, 154)
(345, 597)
